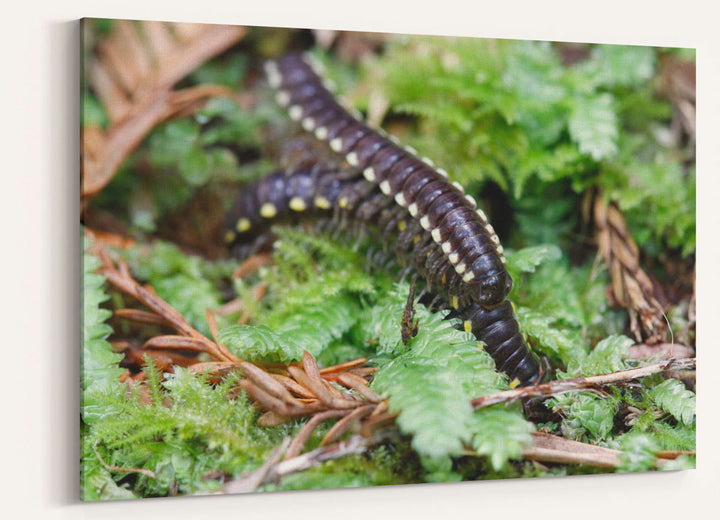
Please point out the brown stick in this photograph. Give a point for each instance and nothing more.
(251, 482)
(122, 280)
(301, 438)
(550, 448)
(343, 366)
(141, 317)
(347, 422)
(581, 383)
(121, 469)
(354, 445)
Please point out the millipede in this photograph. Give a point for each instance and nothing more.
(374, 181)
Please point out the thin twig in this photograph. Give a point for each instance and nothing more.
(346, 423)
(301, 438)
(252, 265)
(354, 445)
(189, 338)
(550, 448)
(578, 384)
(273, 471)
(139, 316)
(121, 469)
(251, 482)
(343, 366)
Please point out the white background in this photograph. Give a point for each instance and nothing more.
(40, 297)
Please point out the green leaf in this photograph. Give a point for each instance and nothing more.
(501, 435)
(318, 325)
(638, 452)
(173, 140)
(585, 414)
(593, 126)
(259, 343)
(672, 396)
(606, 357)
(99, 363)
(527, 259)
(551, 338)
(432, 380)
(621, 65)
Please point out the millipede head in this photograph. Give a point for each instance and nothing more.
(491, 290)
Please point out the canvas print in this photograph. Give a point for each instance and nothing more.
(321, 259)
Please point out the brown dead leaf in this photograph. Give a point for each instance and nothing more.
(133, 75)
(632, 288)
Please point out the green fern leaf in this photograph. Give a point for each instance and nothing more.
(100, 369)
(527, 259)
(620, 65)
(501, 435)
(550, 338)
(638, 452)
(593, 126)
(606, 357)
(585, 415)
(672, 396)
(432, 380)
(253, 343)
(432, 405)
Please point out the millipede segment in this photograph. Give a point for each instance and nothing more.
(353, 205)
(362, 178)
(466, 238)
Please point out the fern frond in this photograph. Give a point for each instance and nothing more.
(99, 364)
(672, 396)
(431, 381)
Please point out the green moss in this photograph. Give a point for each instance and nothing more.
(505, 118)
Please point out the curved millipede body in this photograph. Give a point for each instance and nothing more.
(499, 330)
(356, 204)
(371, 181)
(467, 241)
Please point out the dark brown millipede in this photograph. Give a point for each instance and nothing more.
(431, 223)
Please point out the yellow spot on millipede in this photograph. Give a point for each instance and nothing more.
(454, 302)
(297, 204)
(229, 236)
(515, 383)
(343, 202)
(242, 225)
(467, 325)
(268, 210)
(416, 239)
(402, 225)
(322, 203)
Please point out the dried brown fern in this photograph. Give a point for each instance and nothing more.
(133, 73)
(631, 286)
(283, 392)
(339, 392)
